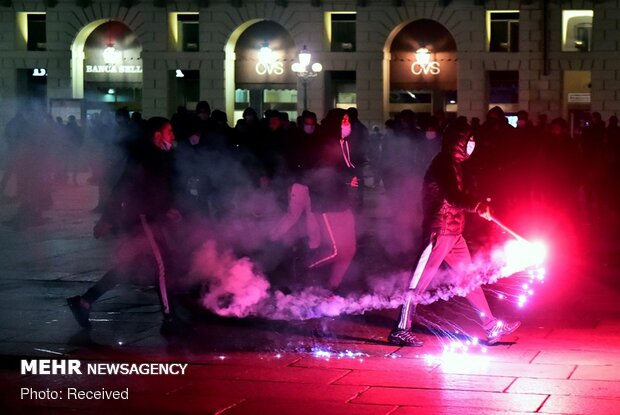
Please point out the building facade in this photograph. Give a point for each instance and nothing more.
(382, 56)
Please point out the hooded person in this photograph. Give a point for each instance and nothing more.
(332, 182)
(444, 204)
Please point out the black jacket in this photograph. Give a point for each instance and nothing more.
(444, 200)
(146, 187)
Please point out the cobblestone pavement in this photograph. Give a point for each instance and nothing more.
(564, 360)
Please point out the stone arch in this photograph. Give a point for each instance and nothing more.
(436, 34)
(78, 55)
(230, 59)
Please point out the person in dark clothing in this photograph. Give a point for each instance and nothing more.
(75, 139)
(358, 141)
(141, 206)
(593, 150)
(494, 157)
(445, 203)
(33, 168)
(330, 184)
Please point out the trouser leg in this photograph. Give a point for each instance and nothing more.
(161, 267)
(339, 231)
(426, 268)
(110, 280)
(459, 259)
(479, 302)
(407, 311)
(343, 227)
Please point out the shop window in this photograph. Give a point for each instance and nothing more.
(341, 89)
(451, 101)
(36, 31)
(283, 100)
(503, 31)
(341, 32)
(410, 97)
(577, 30)
(503, 87)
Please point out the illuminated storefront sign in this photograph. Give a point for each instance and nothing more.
(267, 63)
(423, 64)
(113, 69)
(271, 68)
(428, 68)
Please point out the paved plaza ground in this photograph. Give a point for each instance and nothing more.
(564, 360)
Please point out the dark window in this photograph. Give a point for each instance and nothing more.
(503, 87)
(36, 32)
(340, 89)
(504, 32)
(343, 32)
(189, 32)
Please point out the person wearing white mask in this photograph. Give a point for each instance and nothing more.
(141, 207)
(330, 181)
(444, 204)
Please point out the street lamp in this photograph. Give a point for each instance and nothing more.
(305, 71)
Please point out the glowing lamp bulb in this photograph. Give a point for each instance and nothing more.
(423, 56)
(265, 55)
(304, 57)
(111, 55)
(317, 67)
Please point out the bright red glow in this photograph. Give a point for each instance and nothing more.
(519, 255)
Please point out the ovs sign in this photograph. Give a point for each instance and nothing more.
(423, 64)
(271, 68)
(432, 68)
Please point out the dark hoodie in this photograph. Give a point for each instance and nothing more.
(443, 198)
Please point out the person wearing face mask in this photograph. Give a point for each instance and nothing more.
(142, 209)
(332, 176)
(306, 137)
(429, 145)
(444, 204)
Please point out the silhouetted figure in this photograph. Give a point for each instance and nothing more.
(142, 208)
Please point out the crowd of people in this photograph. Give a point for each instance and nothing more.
(290, 193)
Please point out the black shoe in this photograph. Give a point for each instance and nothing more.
(80, 312)
(400, 337)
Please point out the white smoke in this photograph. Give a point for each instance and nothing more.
(237, 289)
(234, 288)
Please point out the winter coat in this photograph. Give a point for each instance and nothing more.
(146, 187)
(444, 200)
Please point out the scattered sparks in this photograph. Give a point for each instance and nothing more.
(328, 354)
(458, 355)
